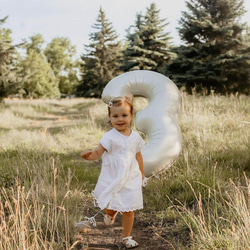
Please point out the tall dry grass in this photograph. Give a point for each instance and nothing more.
(202, 202)
(219, 221)
(37, 216)
(205, 196)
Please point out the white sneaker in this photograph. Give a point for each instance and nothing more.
(128, 242)
(83, 226)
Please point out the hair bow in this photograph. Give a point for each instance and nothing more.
(110, 105)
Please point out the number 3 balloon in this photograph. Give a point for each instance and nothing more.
(159, 120)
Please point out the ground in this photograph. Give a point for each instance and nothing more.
(102, 237)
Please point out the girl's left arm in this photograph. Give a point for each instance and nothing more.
(139, 159)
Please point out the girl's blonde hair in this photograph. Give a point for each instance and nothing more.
(121, 100)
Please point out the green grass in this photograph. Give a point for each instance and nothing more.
(202, 202)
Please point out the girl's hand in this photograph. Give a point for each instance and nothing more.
(144, 182)
(85, 154)
(92, 155)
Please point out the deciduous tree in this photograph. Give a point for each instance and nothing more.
(9, 79)
(60, 54)
(38, 77)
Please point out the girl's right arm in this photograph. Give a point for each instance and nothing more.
(94, 154)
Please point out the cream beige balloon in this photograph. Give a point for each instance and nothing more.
(159, 120)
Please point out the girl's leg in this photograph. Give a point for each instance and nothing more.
(127, 223)
(109, 212)
(109, 217)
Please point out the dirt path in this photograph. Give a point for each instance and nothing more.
(109, 238)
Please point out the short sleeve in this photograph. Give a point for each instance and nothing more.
(140, 143)
(106, 142)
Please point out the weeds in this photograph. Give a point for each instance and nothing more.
(37, 217)
(219, 221)
(202, 202)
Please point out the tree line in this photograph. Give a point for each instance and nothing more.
(215, 55)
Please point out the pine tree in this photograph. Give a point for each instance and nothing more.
(149, 44)
(156, 39)
(216, 55)
(100, 63)
(133, 56)
(9, 78)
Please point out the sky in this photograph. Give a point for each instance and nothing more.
(74, 19)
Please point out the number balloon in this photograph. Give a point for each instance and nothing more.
(159, 120)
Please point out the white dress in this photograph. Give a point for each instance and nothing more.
(119, 186)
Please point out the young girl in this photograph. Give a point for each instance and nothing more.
(119, 186)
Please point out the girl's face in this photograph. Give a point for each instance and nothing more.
(120, 118)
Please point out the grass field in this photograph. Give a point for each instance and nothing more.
(202, 202)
